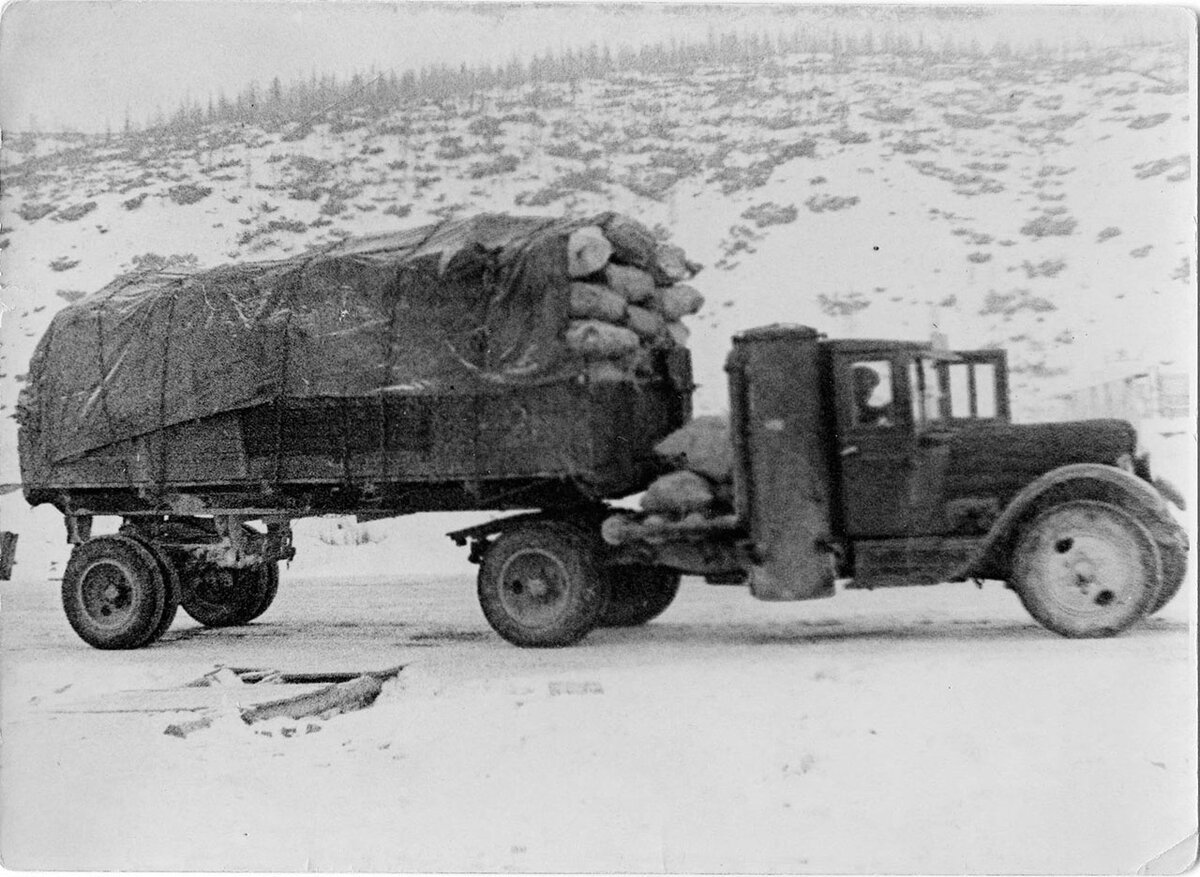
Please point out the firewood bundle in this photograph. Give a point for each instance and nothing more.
(701, 486)
(627, 294)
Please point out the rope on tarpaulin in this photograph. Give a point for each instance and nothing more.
(103, 388)
(279, 397)
(162, 397)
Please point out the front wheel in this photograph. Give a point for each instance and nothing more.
(1173, 549)
(639, 594)
(540, 585)
(1086, 569)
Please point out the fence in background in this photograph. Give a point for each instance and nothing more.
(1148, 395)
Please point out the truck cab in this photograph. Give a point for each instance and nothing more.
(900, 409)
(897, 463)
(927, 458)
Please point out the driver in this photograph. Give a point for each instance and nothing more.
(866, 379)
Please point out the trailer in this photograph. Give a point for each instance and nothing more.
(418, 371)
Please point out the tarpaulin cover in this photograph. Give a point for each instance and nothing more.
(467, 306)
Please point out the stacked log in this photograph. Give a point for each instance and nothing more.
(702, 445)
(701, 485)
(627, 295)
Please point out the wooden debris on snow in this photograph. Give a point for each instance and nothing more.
(344, 692)
(341, 697)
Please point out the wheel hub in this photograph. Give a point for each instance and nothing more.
(537, 588)
(533, 587)
(1087, 563)
(1089, 571)
(107, 593)
(1087, 568)
(1085, 572)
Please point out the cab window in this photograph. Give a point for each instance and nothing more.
(954, 390)
(872, 403)
(924, 390)
(985, 390)
(959, 374)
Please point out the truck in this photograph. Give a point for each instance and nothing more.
(364, 387)
(922, 480)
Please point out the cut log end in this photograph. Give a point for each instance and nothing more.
(678, 493)
(588, 251)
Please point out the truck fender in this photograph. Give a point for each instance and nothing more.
(588, 517)
(992, 559)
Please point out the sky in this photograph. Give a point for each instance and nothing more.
(85, 65)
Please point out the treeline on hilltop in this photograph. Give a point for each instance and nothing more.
(302, 103)
(375, 93)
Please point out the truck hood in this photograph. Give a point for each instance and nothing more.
(999, 460)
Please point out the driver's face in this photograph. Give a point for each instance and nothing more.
(865, 382)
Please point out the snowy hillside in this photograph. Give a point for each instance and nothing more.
(1043, 207)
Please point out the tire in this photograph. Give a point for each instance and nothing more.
(172, 594)
(267, 586)
(114, 593)
(219, 597)
(639, 594)
(540, 585)
(1086, 569)
(1173, 549)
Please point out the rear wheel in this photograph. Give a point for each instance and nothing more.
(1086, 569)
(173, 591)
(114, 593)
(540, 585)
(639, 594)
(220, 597)
(267, 587)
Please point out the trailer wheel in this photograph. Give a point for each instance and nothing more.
(639, 594)
(172, 594)
(1086, 569)
(220, 597)
(267, 586)
(540, 585)
(114, 593)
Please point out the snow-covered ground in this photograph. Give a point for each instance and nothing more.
(929, 730)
